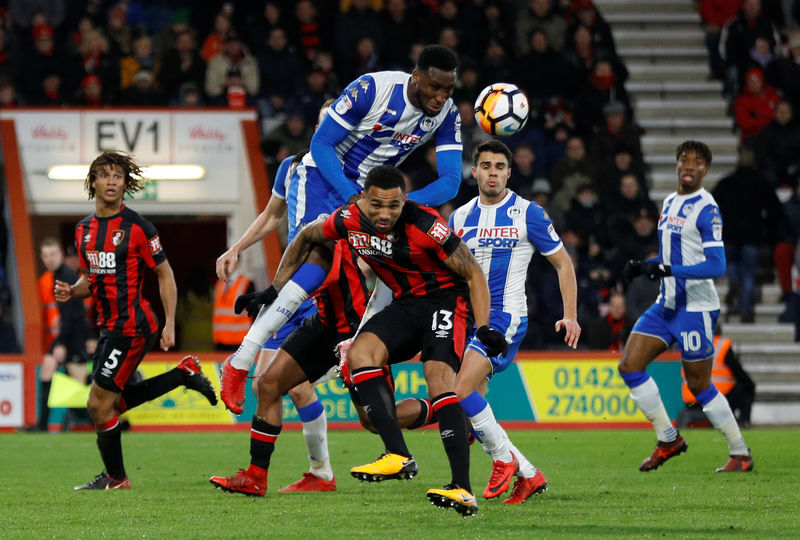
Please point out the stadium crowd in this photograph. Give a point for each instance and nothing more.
(579, 156)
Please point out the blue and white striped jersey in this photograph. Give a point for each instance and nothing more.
(688, 224)
(503, 238)
(286, 187)
(384, 126)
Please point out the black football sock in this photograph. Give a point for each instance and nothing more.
(44, 410)
(374, 392)
(425, 415)
(109, 442)
(135, 394)
(453, 430)
(262, 441)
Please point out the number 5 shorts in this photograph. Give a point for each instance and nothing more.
(117, 357)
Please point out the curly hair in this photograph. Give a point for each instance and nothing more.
(134, 178)
(698, 147)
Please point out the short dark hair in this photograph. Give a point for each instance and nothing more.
(491, 145)
(134, 179)
(385, 177)
(437, 56)
(694, 146)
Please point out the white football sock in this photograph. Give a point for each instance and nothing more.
(492, 434)
(526, 468)
(245, 356)
(721, 417)
(315, 434)
(269, 321)
(648, 399)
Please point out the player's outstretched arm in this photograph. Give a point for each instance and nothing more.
(64, 291)
(569, 296)
(462, 262)
(298, 251)
(169, 299)
(444, 188)
(266, 222)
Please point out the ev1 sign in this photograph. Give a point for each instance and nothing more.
(145, 135)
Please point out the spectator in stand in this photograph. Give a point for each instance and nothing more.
(617, 131)
(143, 92)
(91, 92)
(366, 58)
(777, 147)
(399, 30)
(622, 164)
(586, 215)
(543, 73)
(571, 171)
(44, 61)
(598, 264)
(789, 72)
(763, 58)
(785, 250)
(580, 53)
(611, 331)
(604, 87)
(539, 15)
(751, 215)
(640, 240)
(189, 95)
(50, 95)
(258, 28)
(95, 59)
(641, 293)
(312, 34)
(715, 13)
(178, 24)
(625, 201)
(143, 58)
(234, 55)
(181, 64)
(495, 65)
(23, 13)
(448, 15)
(358, 22)
(8, 334)
(527, 166)
(120, 34)
(314, 93)
(755, 107)
(468, 87)
(281, 71)
(737, 38)
(490, 25)
(8, 94)
(586, 15)
(213, 44)
(290, 137)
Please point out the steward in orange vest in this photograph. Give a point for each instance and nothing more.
(721, 375)
(229, 328)
(50, 314)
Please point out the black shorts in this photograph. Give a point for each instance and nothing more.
(117, 358)
(76, 348)
(313, 347)
(435, 325)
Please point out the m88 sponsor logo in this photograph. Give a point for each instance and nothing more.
(102, 262)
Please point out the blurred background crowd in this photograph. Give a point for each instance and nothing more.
(579, 155)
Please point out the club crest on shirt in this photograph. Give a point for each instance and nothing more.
(427, 123)
(513, 212)
(686, 210)
(117, 236)
(439, 231)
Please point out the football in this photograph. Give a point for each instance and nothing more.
(501, 109)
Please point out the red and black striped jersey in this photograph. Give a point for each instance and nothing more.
(408, 259)
(342, 298)
(114, 252)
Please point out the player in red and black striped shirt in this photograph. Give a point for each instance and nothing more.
(430, 272)
(115, 245)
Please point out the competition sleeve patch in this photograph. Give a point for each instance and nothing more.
(155, 245)
(439, 231)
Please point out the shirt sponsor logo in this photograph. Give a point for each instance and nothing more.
(366, 244)
(439, 231)
(674, 223)
(406, 138)
(102, 262)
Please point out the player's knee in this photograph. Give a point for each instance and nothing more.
(321, 255)
(267, 389)
(359, 356)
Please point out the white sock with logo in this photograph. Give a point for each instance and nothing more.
(492, 434)
(268, 321)
(721, 417)
(315, 434)
(526, 468)
(648, 399)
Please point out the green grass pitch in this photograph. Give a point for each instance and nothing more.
(595, 489)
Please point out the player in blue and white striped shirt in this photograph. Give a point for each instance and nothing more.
(691, 255)
(502, 230)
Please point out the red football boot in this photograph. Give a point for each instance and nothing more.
(232, 384)
(309, 483)
(525, 487)
(500, 480)
(737, 464)
(252, 481)
(196, 380)
(662, 452)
